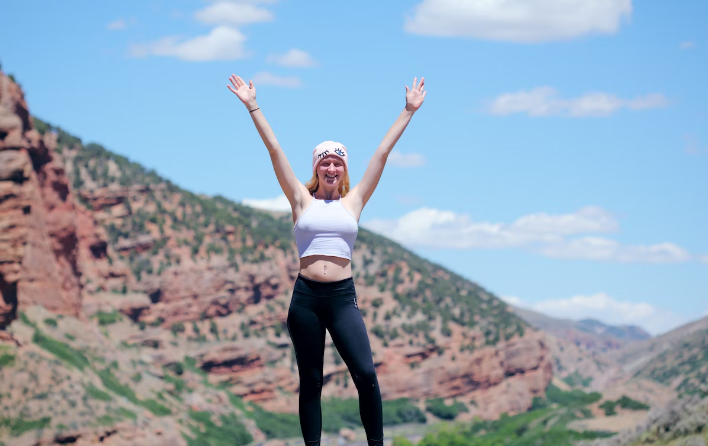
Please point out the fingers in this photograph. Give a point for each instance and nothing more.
(422, 81)
(415, 79)
(250, 83)
(231, 88)
(407, 90)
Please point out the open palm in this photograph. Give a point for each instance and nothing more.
(244, 91)
(415, 95)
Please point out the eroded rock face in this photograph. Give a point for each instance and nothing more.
(38, 245)
(208, 291)
(500, 378)
(51, 247)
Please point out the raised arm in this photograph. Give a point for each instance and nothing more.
(292, 187)
(363, 191)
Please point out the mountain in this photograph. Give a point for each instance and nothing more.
(634, 357)
(624, 333)
(134, 309)
(589, 333)
(681, 365)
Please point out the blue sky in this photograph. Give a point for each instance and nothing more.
(560, 158)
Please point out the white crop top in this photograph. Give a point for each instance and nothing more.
(326, 228)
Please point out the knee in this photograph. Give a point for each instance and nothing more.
(365, 379)
(311, 382)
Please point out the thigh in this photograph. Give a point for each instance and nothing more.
(346, 326)
(307, 331)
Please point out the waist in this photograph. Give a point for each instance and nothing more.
(319, 288)
(325, 268)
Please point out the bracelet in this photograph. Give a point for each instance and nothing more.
(251, 111)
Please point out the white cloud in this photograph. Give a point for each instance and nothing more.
(544, 101)
(279, 203)
(518, 20)
(587, 219)
(512, 300)
(117, 25)
(399, 159)
(236, 14)
(600, 248)
(605, 308)
(687, 45)
(703, 258)
(542, 233)
(266, 78)
(294, 58)
(222, 43)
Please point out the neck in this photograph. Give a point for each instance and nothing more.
(324, 194)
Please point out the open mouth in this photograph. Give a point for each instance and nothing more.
(330, 178)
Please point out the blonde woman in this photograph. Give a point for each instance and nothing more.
(326, 219)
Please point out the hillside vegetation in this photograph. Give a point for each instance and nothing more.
(180, 224)
(682, 423)
(684, 368)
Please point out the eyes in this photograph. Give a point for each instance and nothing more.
(325, 164)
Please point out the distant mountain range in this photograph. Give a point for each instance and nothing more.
(589, 333)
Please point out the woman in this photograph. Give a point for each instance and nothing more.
(325, 217)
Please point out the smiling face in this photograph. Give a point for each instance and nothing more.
(330, 171)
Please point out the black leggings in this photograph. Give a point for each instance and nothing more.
(332, 305)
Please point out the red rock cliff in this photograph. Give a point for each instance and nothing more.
(38, 229)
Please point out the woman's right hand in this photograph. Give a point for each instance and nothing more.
(245, 92)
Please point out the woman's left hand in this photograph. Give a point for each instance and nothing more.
(415, 95)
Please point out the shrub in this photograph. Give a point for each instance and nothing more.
(96, 393)
(277, 425)
(379, 331)
(112, 383)
(399, 440)
(107, 318)
(177, 328)
(7, 360)
(575, 379)
(400, 411)
(626, 402)
(61, 350)
(538, 403)
(229, 433)
(175, 367)
(20, 425)
(438, 408)
(609, 408)
(572, 398)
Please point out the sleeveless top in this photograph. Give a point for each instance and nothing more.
(326, 228)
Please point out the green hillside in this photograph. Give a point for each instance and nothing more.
(684, 368)
(202, 223)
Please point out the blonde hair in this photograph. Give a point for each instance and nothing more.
(314, 184)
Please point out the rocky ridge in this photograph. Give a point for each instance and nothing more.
(591, 334)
